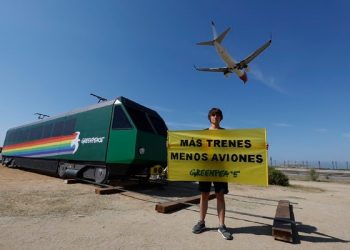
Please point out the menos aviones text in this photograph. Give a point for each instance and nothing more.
(217, 157)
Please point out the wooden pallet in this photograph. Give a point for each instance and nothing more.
(284, 222)
(172, 206)
(111, 190)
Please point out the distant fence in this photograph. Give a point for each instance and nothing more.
(341, 165)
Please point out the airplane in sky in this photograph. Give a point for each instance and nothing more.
(232, 67)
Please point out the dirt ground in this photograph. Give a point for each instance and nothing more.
(42, 212)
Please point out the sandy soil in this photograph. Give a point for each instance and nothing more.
(41, 212)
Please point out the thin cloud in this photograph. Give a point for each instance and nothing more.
(269, 81)
(346, 135)
(282, 124)
(321, 130)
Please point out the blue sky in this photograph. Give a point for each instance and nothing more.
(53, 54)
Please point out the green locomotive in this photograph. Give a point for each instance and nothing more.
(112, 139)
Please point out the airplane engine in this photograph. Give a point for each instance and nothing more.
(227, 74)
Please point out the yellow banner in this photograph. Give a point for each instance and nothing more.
(235, 155)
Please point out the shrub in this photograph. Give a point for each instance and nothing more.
(276, 177)
(314, 175)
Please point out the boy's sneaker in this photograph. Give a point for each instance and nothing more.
(199, 227)
(225, 233)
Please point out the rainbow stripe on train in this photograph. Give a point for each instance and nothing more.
(58, 145)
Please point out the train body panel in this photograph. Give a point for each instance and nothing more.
(111, 136)
(150, 147)
(121, 149)
(81, 136)
(93, 127)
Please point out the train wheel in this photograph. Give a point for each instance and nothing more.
(7, 161)
(61, 170)
(12, 164)
(101, 175)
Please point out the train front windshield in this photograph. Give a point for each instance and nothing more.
(147, 121)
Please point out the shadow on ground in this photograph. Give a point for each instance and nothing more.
(171, 189)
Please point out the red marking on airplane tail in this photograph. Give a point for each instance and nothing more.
(244, 77)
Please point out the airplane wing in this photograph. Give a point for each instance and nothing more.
(223, 69)
(244, 63)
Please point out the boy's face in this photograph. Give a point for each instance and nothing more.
(215, 119)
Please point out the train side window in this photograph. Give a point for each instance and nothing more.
(69, 126)
(39, 132)
(8, 139)
(140, 119)
(35, 133)
(47, 130)
(58, 128)
(21, 135)
(13, 136)
(26, 134)
(120, 120)
(159, 125)
(16, 138)
(31, 134)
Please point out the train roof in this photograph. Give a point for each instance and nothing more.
(118, 100)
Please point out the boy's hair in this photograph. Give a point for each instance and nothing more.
(215, 111)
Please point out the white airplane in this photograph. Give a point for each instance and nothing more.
(232, 67)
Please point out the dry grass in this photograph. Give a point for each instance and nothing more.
(306, 188)
(60, 202)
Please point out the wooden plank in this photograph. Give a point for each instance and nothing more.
(172, 206)
(283, 210)
(283, 225)
(71, 181)
(111, 190)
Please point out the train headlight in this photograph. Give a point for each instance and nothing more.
(142, 151)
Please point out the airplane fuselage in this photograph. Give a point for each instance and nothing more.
(228, 60)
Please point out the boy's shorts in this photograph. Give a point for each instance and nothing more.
(220, 187)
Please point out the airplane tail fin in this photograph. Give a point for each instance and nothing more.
(218, 39)
(215, 34)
